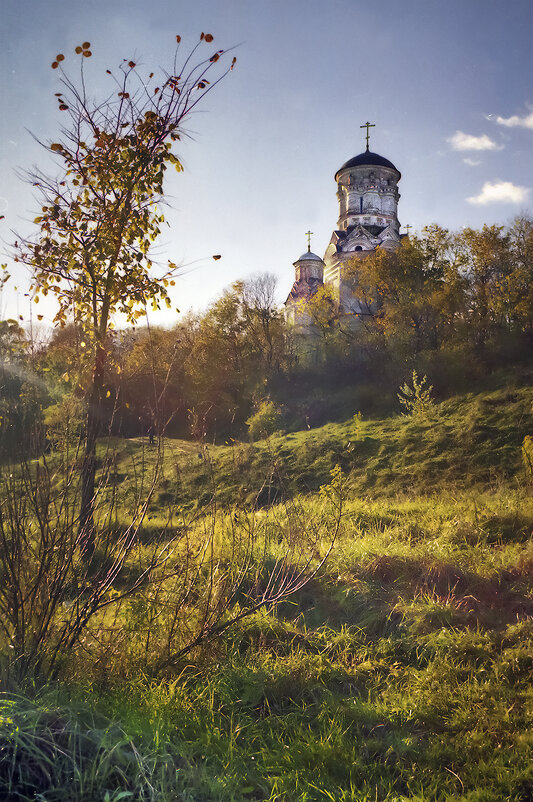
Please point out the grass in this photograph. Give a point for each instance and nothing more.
(469, 441)
(403, 671)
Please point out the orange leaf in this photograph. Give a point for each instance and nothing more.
(86, 45)
(178, 39)
(62, 107)
(131, 64)
(208, 37)
(60, 57)
(55, 65)
(202, 35)
(78, 50)
(217, 256)
(87, 53)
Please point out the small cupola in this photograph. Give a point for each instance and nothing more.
(308, 267)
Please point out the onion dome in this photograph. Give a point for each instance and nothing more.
(370, 159)
(308, 256)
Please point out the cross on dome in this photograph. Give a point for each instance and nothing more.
(308, 235)
(368, 125)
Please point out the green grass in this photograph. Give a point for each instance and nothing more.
(470, 441)
(403, 671)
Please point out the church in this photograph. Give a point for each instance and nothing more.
(367, 191)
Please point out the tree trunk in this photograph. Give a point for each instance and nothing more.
(88, 469)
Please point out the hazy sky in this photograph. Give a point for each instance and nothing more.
(447, 83)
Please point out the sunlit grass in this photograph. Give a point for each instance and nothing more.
(402, 671)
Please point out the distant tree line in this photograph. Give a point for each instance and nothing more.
(453, 306)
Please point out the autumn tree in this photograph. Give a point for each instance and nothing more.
(499, 269)
(487, 267)
(100, 210)
(412, 294)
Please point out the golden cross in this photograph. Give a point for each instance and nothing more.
(408, 226)
(308, 235)
(367, 125)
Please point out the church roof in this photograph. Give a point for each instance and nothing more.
(368, 158)
(308, 256)
(303, 290)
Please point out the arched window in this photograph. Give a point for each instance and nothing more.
(358, 248)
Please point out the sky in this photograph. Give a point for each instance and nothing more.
(447, 83)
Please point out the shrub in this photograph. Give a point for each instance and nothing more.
(417, 399)
(265, 421)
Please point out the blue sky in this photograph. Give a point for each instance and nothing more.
(447, 83)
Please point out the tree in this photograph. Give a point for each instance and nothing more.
(264, 322)
(413, 293)
(521, 278)
(488, 267)
(99, 214)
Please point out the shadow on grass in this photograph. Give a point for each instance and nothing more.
(386, 591)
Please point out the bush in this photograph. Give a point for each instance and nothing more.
(417, 399)
(64, 422)
(265, 421)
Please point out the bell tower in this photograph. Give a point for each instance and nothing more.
(367, 191)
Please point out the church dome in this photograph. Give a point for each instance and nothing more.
(367, 158)
(308, 256)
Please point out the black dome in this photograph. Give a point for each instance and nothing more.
(368, 158)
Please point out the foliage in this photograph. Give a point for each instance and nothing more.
(265, 421)
(100, 216)
(53, 600)
(416, 398)
(22, 393)
(64, 422)
(49, 590)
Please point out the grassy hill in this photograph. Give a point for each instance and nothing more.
(466, 442)
(402, 671)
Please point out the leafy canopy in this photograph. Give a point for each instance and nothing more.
(100, 215)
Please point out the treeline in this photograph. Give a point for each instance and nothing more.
(453, 306)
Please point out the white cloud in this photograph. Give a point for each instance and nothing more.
(461, 141)
(472, 162)
(500, 192)
(515, 120)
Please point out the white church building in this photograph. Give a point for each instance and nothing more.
(367, 191)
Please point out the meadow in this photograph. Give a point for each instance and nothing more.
(401, 670)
